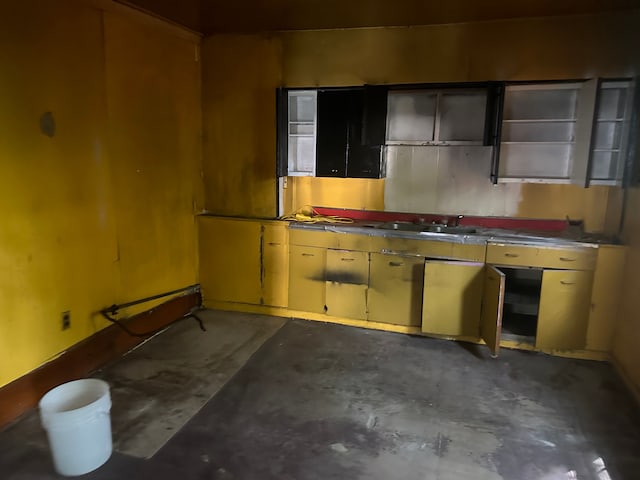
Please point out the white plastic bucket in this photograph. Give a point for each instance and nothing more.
(76, 418)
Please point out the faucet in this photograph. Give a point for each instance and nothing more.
(458, 218)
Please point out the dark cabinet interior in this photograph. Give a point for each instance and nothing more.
(521, 304)
(341, 149)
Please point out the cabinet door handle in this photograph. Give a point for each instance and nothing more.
(395, 264)
(347, 259)
(567, 259)
(511, 255)
(308, 255)
(273, 244)
(564, 282)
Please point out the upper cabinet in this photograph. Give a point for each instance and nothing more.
(340, 147)
(538, 132)
(580, 132)
(330, 132)
(301, 125)
(610, 142)
(436, 117)
(564, 133)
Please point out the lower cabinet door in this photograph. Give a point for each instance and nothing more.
(565, 302)
(452, 298)
(395, 289)
(493, 294)
(307, 278)
(275, 266)
(347, 282)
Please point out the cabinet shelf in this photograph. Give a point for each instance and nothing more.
(539, 120)
(537, 143)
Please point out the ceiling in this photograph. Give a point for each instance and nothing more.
(251, 16)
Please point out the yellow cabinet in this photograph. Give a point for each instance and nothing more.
(547, 309)
(452, 298)
(347, 281)
(492, 308)
(307, 278)
(395, 289)
(573, 257)
(230, 259)
(275, 265)
(564, 310)
(243, 261)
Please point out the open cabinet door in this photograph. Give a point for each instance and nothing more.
(492, 303)
(581, 158)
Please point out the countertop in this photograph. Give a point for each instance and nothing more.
(569, 238)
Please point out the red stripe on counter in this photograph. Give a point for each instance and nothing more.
(508, 223)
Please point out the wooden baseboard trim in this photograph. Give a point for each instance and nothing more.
(86, 356)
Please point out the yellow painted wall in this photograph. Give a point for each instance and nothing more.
(240, 77)
(102, 212)
(523, 49)
(627, 338)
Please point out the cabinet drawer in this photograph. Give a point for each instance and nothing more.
(574, 258)
(333, 240)
(312, 238)
(428, 248)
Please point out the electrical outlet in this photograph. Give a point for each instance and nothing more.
(66, 320)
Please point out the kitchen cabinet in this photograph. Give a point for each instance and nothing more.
(275, 264)
(340, 148)
(297, 128)
(328, 281)
(452, 298)
(307, 287)
(564, 310)
(347, 282)
(395, 289)
(569, 258)
(553, 298)
(432, 116)
(580, 133)
(612, 142)
(243, 261)
(492, 308)
(550, 303)
(545, 132)
(359, 282)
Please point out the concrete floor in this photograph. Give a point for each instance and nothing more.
(322, 401)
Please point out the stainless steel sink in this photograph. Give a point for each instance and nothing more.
(426, 228)
(446, 229)
(402, 226)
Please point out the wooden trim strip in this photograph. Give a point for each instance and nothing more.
(86, 356)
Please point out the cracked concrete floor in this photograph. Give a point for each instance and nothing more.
(318, 401)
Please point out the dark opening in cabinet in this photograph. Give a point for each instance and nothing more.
(340, 146)
(521, 304)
